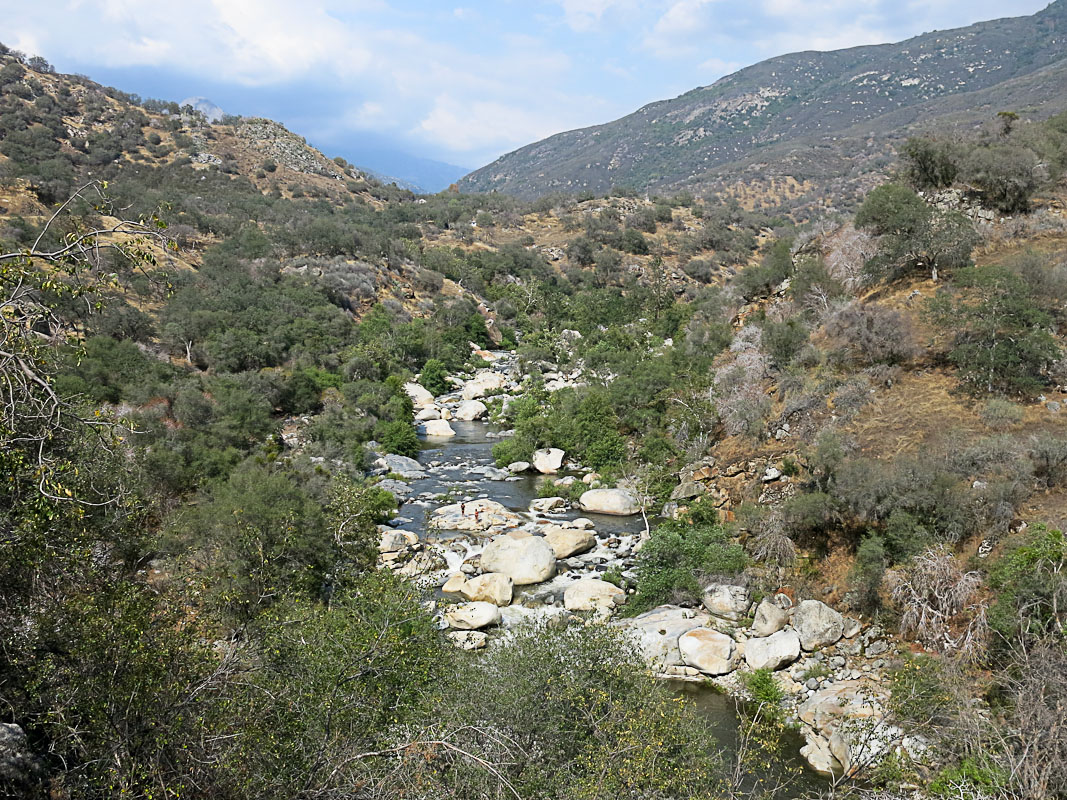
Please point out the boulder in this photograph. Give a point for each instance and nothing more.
(592, 594)
(19, 765)
(420, 397)
(395, 541)
(567, 542)
(543, 504)
(548, 461)
(709, 651)
(428, 413)
(850, 627)
(470, 410)
(827, 709)
(468, 640)
(816, 751)
(436, 429)
(727, 600)
(525, 561)
(773, 652)
(407, 468)
(477, 516)
(769, 618)
(490, 587)
(617, 502)
(817, 624)
(455, 583)
(687, 490)
(656, 632)
(484, 382)
(472, 616)
(516, 467)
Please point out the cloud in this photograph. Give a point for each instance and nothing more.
(676, 32)
(586, 15)
(717, 67)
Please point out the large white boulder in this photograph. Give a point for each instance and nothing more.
(525, 561)
(518, 466)
(477, 516)
(592, 594)
(617, 502)
(490, 587)
(548, 461)
(472, 616)
(405, 467)
(656, 633)
(817, 624)
(427, 414)
(567, 542)
(727, 600)
(420, 396)
(708, 650)
(470, 410)
(436, 429)
(769, 618)
(773, 652)
(483, 382)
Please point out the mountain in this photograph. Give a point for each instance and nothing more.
(211, 111)
(423, 175)
(813, 123)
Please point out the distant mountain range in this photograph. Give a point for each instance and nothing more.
(422, 175)
(815, 122)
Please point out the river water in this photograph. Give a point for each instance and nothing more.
(449, 464)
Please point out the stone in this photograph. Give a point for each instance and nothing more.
(687, 490)
(394, 541)
(816, 751)
(709, 651)
(548, 461)
(616, 502)
(483, 382)
(656, 633)
(428, 413)
(769, 618)
(468, 640)
(471, 410)
(727, 600)
(592, 594)
(771, 474)
(425, 562)
(542, 505)
(489, 587)
(525, 561)
(420, 396)
(477, 516)
(773, 652)
(817, 624)
(567, 542)
(436, 429)
(454, 583)
(850, 627)
(515, 467)
(18, 763)
(472, 616)
(876, 648)
(407, 468)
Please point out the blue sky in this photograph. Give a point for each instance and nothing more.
(457, 82)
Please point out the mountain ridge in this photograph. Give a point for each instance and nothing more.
(796, 98)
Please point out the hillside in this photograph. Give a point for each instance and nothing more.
(314, 487)
(827, 121)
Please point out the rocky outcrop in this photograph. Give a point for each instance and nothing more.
(548, 461)
(616, 502)
(708, 650)
(656, 633)
(406, 468)
(773, 652)
(527, 560)
(484, 382)
(817, 624)
(477, 516)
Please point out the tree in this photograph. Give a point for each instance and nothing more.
(1002, 341)
(929, 163)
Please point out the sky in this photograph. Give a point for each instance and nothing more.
(458, 82)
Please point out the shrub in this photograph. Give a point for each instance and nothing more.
(434, 377)
(398, 436)
(1000, 414)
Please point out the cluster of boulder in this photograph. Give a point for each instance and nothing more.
(829, 668)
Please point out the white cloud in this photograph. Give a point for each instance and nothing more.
(585, 15)
(676, 31)
(717, 67)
